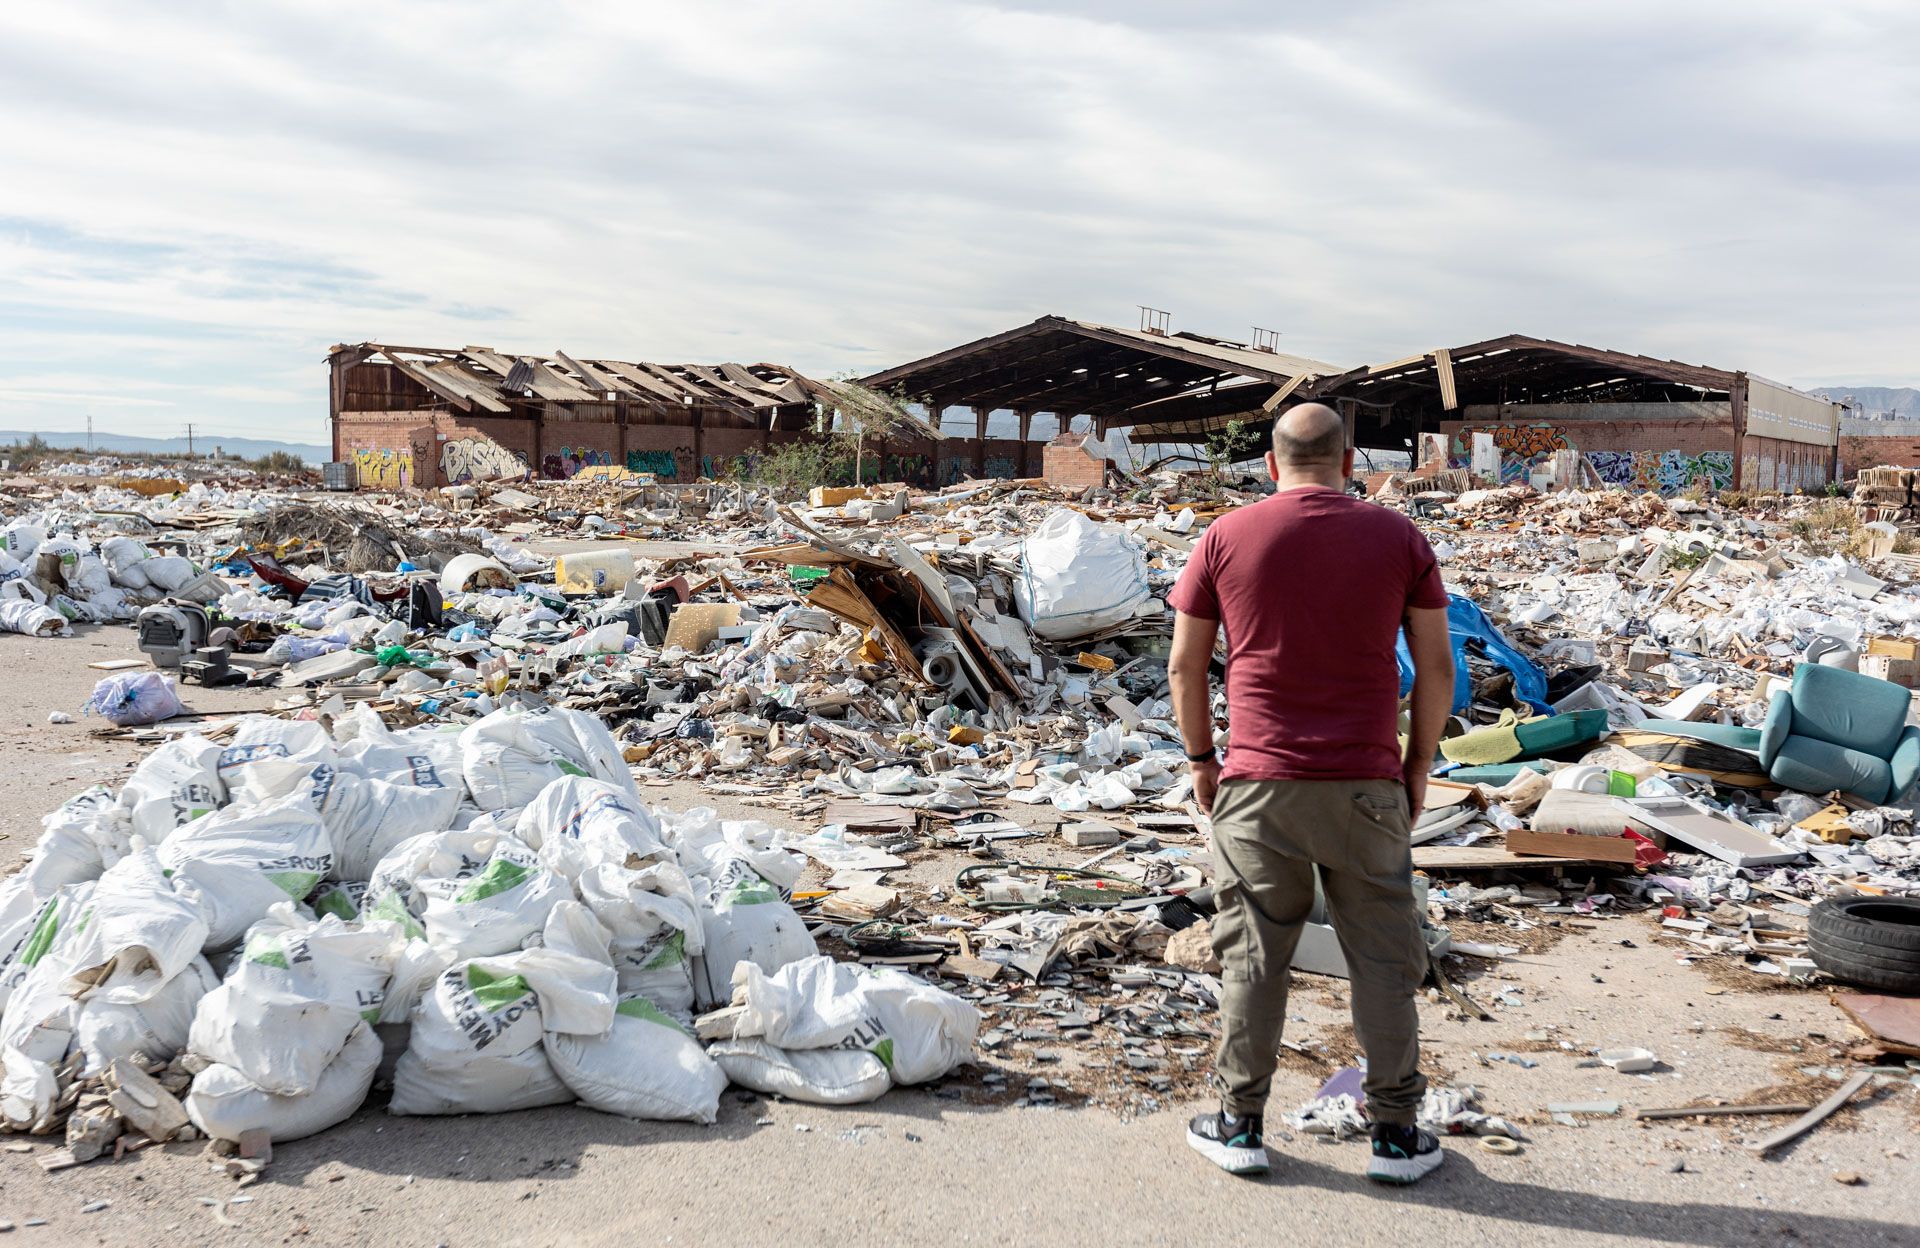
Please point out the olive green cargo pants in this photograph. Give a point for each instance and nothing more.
(1268, 835)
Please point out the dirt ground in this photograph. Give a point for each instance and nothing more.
(947, 1166)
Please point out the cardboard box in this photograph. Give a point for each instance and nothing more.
(1895, 647)
(1572, 845)
(1902, 672)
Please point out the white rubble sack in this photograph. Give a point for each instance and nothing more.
(225, 1104)
(367, 818)
(647, 1065)
(496, 909)
(511, 754)
(19, 615)
(174, 785)
(578, 822)
(655, 928)
(837, 1033)
(478, 1037)
(137, 932)
(107, 1030)
(1078, 577)
(293, 996)
(241, 860)
(744, 918)
(262, 739)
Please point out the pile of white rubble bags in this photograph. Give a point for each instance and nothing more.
(103, 585)
(489, 918)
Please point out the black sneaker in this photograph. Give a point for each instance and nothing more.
(1232, 1143)
(1403, 1154)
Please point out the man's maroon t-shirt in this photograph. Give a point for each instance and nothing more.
(1311, 586)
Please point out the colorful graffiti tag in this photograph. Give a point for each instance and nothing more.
(1523, 448)
(1664, 472)
(478, 459)
(560, 464)
(659, 463)
(383, 470)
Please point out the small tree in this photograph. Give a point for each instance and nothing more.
(1229, 444)
(864, 412)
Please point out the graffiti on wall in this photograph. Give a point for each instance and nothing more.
(1523, 449)
(1664, 472)
(659, 463)
(383, 470)
(560, 464)
(1766, 472)
(478, 459)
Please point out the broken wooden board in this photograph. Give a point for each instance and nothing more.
(1813, 1117)
(869, 816)
(1482, 858)
(842, 596)
(1572, 845)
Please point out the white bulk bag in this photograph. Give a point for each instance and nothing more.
(225, 1104)
(1078, 577)
(508, 756)
(174, 785)
(241, 860)
(293, 996)
(367, 818)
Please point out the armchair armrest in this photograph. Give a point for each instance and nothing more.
(1778, 727)
(1905, 763)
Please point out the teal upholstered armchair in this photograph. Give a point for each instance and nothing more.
(1836, 729)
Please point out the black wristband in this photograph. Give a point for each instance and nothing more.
(1207, 757)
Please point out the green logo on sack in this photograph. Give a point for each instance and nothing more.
(884, 1051)
(387, 906)
(499, 876)
(295, 884)
(43, 934)
(647, 1011)
(267, 951)
(335, 902)
(496, 992)
(673, 951)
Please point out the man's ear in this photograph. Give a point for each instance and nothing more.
(1273, 467)
(1346, 463)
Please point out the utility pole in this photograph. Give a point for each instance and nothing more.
(89, 433)
(189, 439)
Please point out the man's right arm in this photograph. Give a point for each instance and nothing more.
(1187, 666)
(1432, 701)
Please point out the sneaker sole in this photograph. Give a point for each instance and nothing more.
(1232, 1160)
(1404, 1170)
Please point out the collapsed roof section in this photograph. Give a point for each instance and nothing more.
(1162, 386)
(1396, 399)
(485, 382)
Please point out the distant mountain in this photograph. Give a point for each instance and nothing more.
(1877, 402)
(246, 448)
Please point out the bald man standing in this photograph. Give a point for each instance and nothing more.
(1313, 586)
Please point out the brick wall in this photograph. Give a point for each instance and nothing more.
(1068, 466)
(1859, 451)
(1777, 464)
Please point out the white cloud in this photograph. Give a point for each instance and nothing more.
(200, 198)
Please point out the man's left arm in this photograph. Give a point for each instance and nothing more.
(1187, 669)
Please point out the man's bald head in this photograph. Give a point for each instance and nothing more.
(1311, 435)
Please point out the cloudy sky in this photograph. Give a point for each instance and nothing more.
(197, 199)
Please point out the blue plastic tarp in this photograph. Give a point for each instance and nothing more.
(1466, 622)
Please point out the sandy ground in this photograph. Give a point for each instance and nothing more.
(934, 1166)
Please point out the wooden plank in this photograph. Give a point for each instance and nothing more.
(1571, 845)
(1718, 1111)
(1443, 372)
(1481, 858)
(1813, 1117)
(693, 625)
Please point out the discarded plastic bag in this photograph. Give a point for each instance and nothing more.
(137, 932)
(241, 860)
(1078, 577)
(293, 996)
(225, 1104)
